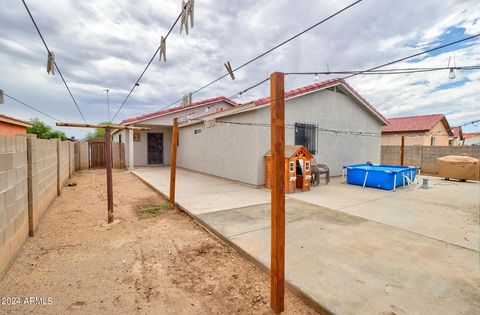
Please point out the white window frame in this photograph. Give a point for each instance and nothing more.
(197, 131)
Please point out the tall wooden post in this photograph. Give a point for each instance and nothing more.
(173, 163)
(108, 166)
(402, 151)
(277, 263)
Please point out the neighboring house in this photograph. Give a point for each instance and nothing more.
(426, 130)
(238, 138)
(457, 138)
(10, 126)
(472, 138)
(153, 147)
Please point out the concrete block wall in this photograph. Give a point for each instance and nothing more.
(64, 165)
(425, 156)
(43, 176)
(81, 156)
(71, 149)
(13, 198)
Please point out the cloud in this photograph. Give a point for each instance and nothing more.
(106, 44)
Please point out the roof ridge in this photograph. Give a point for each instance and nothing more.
(180, 108)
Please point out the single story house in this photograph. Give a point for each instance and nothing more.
(472, 138)
(10, 126)
(457, 138)
(153, 147)
(226, 139)
(425, 130)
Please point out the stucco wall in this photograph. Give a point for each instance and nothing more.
(237, 151)
(229, 151)
(13, 198)
(141, 147)
(7, 129)
(160, 125)
(439, 132)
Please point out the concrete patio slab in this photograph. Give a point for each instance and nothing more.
(447, 211)
(380, 252)
(200, 193)
(351, 265)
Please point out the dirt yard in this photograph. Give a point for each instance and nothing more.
(151, 260)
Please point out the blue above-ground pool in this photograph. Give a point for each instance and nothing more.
(386, 177)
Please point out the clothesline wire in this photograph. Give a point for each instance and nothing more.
(31, 107)
(55, 63)
(268, 51)
(148, 65)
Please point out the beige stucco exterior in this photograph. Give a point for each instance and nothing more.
(438, 133)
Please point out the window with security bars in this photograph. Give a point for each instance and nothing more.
(306, 135)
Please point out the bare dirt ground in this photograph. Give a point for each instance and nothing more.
(150, 261)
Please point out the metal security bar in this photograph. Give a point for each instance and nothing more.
(306, 135)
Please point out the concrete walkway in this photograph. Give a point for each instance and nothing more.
(348, 264)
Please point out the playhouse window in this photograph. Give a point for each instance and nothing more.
(291, 167)
(307, 166)
(197, 131)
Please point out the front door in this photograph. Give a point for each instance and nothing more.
(155, 148)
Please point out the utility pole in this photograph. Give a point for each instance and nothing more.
(108, 104)
(277, 259)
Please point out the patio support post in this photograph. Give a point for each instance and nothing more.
(130, 149)
(108, 166)
(402, 151)
(173, 163)
(277, 260)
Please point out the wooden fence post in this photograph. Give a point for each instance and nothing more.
(108, 166)
(173, 163)
(277, 263)
(402, 151)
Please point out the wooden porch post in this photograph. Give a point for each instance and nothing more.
(173, 163)
(108, 166)
(277, 263)
(402, 151)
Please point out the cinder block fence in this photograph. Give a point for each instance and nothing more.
(32, 173)
(425, 156)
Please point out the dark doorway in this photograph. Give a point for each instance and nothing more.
(155, 148)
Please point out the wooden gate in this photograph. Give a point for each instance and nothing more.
(96, 148)
(97, 153)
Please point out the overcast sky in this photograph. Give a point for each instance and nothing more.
(107, 43)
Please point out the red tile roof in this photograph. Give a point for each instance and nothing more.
(179, 109)
(15, 121)
(457, 131)
(315, 87)
(414, 123)
(470, 135)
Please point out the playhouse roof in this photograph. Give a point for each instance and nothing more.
(293, 150)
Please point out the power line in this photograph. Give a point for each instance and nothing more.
(387, 71)
(268, 51)
(470, 122)
(31, 107)
(148, 65)
(374, 70)
(414, 55)
(56, 66)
